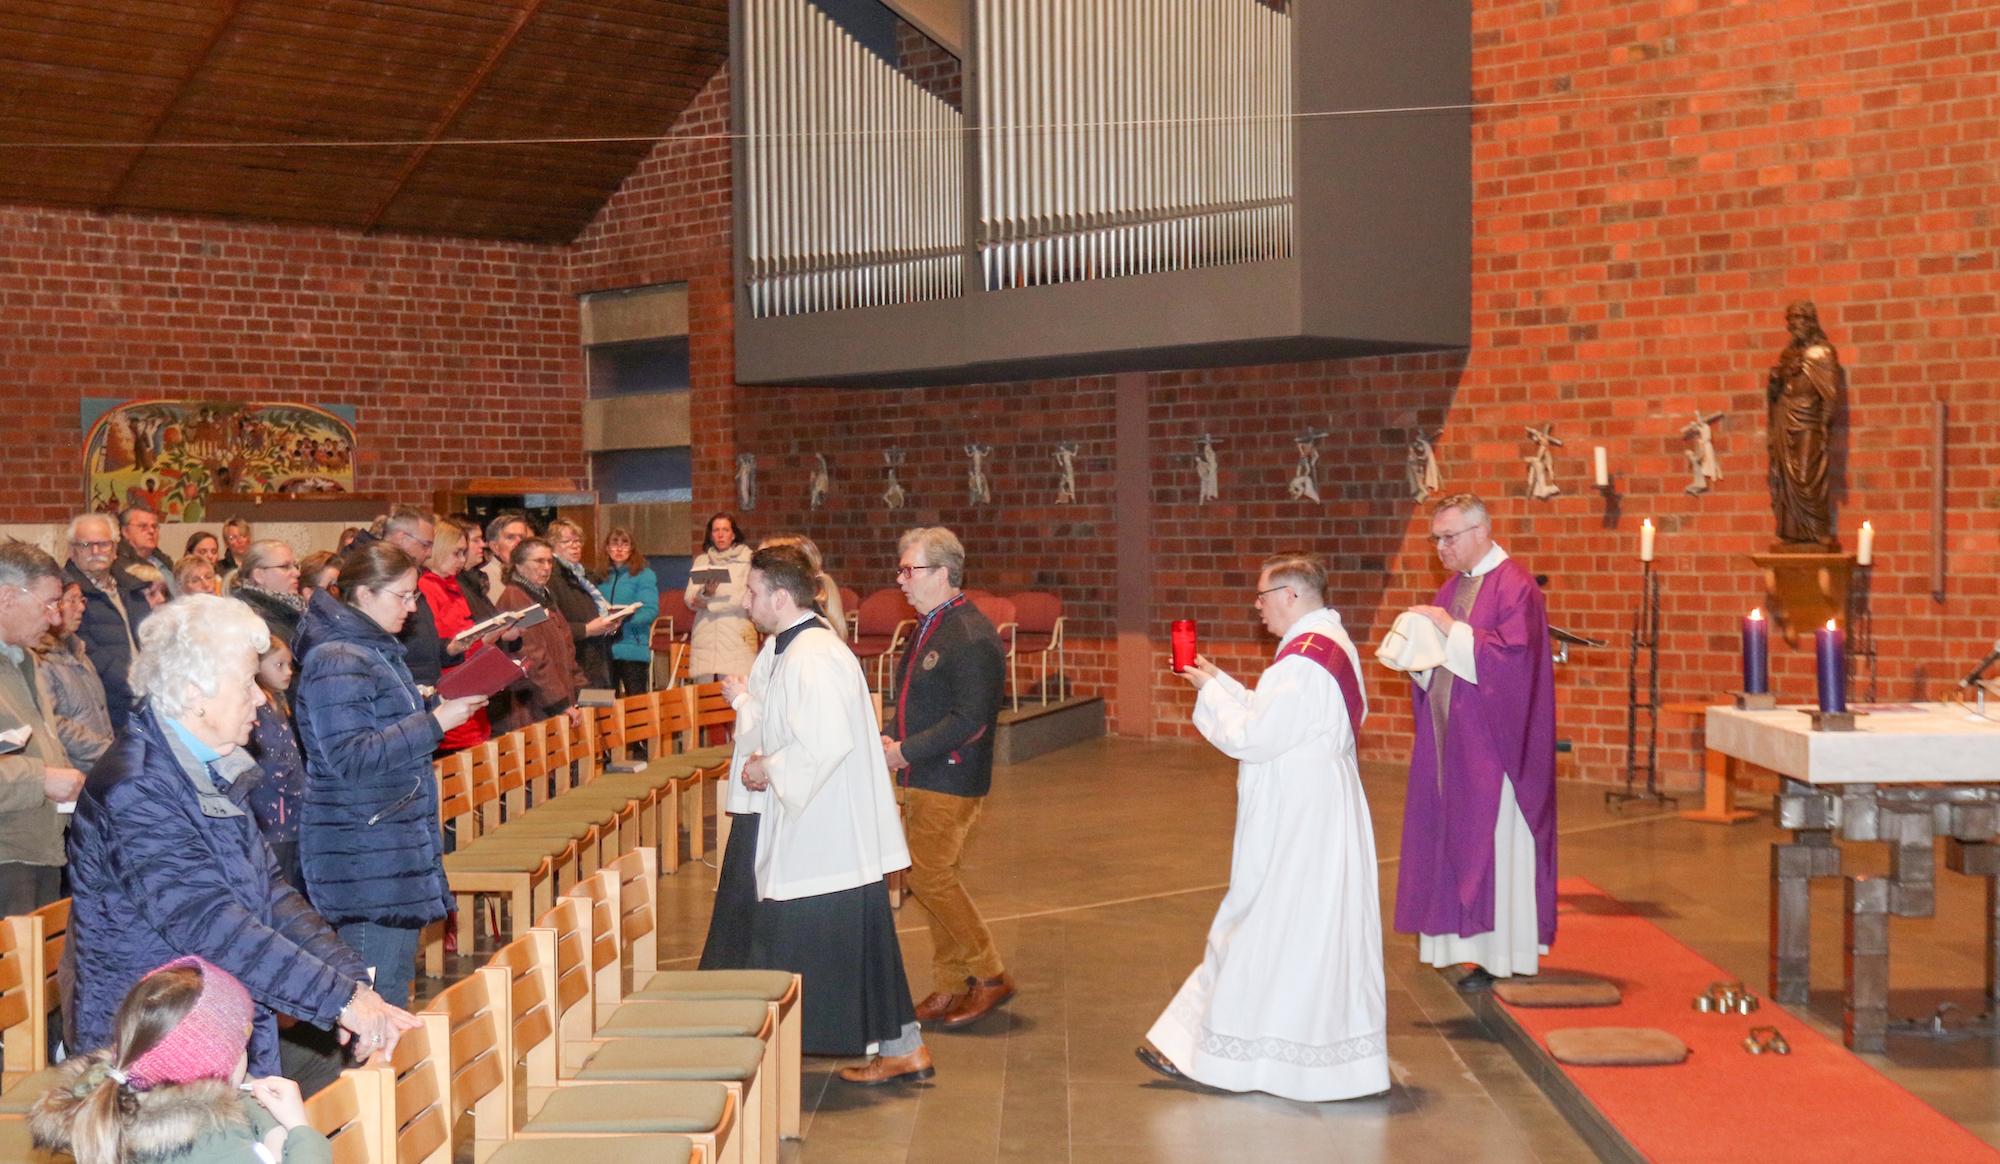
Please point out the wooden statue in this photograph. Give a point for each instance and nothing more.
(1804, 391)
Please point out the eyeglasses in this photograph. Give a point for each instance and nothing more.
(1272, 590)
(52, 605)
(406, 597)
(905, 572)
(1447, 539)
(93, 547)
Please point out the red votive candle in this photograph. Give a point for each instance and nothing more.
(1183, 639)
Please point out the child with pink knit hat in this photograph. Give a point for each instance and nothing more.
(172, 1086)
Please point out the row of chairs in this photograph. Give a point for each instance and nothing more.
(538, 809)
(694, 1066)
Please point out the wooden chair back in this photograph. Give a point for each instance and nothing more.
(638, 874)
(676, 718)
(420, 1112)
(53, 921)
(351, 1113)
(476, 1013)
(709, 714)
(568, 926)
(529, 961)
(23, 1012)
(601, 890)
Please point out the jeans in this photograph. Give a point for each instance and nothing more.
(392, 952)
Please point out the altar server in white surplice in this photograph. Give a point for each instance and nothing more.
(1289, 996)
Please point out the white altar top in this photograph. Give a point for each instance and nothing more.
(1922, 743)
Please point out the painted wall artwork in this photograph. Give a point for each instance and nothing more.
(180, 456)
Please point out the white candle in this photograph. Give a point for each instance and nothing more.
(1646, 532)
(1865, 556)
(1603, 467)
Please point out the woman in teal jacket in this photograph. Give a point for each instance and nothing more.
(631, 580)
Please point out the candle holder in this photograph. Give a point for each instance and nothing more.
(1755, 701)
(1831, 721)
(1613, 509)
(1860, 646)
(1646, 637)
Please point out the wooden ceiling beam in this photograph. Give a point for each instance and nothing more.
(444, 123)
(196, 64)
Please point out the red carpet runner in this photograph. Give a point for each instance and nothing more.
(1818, 1103)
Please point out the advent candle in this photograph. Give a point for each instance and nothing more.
(1603, 467)
(1756, 654)
(1646, 532)
(1865, 555)
(1831, 644)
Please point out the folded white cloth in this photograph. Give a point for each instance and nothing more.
(1413, 644)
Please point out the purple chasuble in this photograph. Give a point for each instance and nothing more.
(1503, 726)
(1323, 650)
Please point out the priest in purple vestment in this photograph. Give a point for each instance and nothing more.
(1477, 880)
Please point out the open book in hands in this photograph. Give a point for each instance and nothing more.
(625, 610)
(505, 620)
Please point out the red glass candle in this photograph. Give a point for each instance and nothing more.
(1183, 638)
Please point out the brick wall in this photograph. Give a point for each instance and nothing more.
(448, 350)
(1653, 183)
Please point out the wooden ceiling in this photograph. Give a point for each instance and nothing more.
(140, 80)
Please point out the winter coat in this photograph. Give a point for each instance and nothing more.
(281, 618)
(634, 643)
(575, 606)
(279, 797)
(949, 680)
(548, 654)
(454, 614)
(166, 860)
(111, 638)
(723, 641)
(74, 697)
(368, 839)
(205, 1122)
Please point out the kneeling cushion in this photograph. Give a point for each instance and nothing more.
(1615, 1047)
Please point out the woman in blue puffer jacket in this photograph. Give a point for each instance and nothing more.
(368, 836)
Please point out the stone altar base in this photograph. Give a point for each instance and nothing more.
(1038, 729)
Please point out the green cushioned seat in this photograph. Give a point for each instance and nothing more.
(632, 1108)
(17, 1147)
(496, 859)
(541, 824)
(707, 757)
(647, 1019)
(652, 1059)
(651, 1149)
(765, 985)
(17, 1099)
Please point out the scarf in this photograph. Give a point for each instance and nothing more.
(582, 579)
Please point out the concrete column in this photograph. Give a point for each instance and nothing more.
(1137, 663)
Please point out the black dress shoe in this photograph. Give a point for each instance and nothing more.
(1475, 981)
(1159, 1063)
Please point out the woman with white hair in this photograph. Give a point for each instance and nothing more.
(166, 859)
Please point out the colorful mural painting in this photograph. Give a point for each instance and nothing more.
(180, 456)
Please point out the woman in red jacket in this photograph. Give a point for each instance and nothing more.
(439, 582)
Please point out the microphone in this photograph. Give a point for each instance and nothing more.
(1991, 658)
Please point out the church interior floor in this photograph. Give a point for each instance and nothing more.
(1100, 866)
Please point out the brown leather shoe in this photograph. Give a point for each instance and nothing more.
(982, 999)
(940, 1003)
(891, 1069)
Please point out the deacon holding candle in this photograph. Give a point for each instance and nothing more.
(1477, 880)
(1830, 644)
(1756, 654)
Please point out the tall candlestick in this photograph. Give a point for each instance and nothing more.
(1830, 644)
(1865, 554)
(1646, 533)
(1603, 463)
(1756, 654)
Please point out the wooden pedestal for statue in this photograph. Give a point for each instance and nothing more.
(1804, 589)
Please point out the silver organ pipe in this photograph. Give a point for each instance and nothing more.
(1115, 138)
(1126, 137)
(854, 172)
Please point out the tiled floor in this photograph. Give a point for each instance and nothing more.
(1100, 867)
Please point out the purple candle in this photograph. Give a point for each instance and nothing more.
(1756, 654)
(1831, 643)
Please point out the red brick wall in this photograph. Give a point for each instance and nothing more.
(450, 352)
(926, 62)
(1653, 183)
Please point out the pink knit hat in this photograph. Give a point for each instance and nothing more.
(207, 1042)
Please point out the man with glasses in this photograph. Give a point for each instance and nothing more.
(113, 607)
(139, 529)
(938, 738)
(36, 776)
(503, 533)
(1289, 998)
(1477, 881)
(413, 531)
